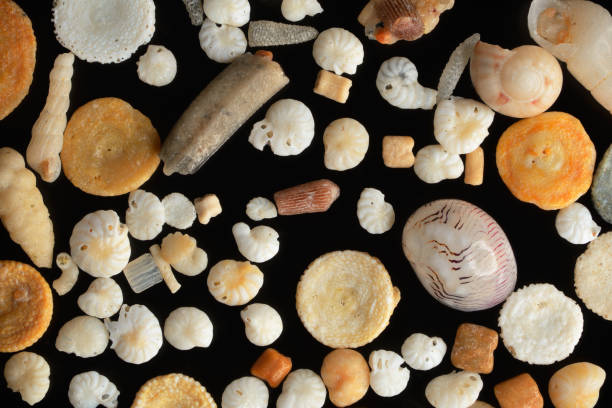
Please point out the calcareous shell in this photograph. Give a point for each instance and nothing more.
(397, 83)
(576, 385)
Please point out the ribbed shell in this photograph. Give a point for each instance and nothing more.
(397, 83)
(90, 389)
(85, 336)
(188, 327)
(302, 388)
(338, 50)
(258, 244)
(375, 214)
(222, 44)
(28, 374)
(145, 216)
(102, 299)
(245, 392)
(234, 283)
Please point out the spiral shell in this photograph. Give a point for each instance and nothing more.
(460, 254)
(422, 352)
(85, 336)
(374, 213)
(262, 324)
(235, 13)
(338, 50)
(575, 224)
(145, 216)
(90, 389)
(234, 283)
(346, 142)
(432, 164)
(397, 83)
(245, 392)
(520, 83)
(258, 244)
(453, 390)
(188, 327)
(222, 43)
(28, 374)
(102, 299)
(302, 388)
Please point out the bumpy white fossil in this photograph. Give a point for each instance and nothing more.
(397, 83)
(85, 336)
(296, 10)
(145, 216)
(102, 299)
(288, 128)
(70, 273)
(234, 283)
(235, 13)
(260, 208)
(180, 251)
(302, 388)
(258, 244)
(90, 389)
(188, 327)
(245, 392)
(28, 374)
(338, 50)
(207, 207)
(346, 142)
(136, 336)
(576, 225)
(387, 376)
(222, 43)
(422, 352)
(157, 66)
(433, 164)
(461, 125)
(262, 324)
(99, 244)
(454, 390)
(374, 213)
(180, 212)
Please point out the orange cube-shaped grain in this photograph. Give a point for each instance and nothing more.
(397, 151)
(271, 367)
(519, 392)
(473, 348)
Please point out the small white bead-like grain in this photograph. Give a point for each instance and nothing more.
(188, 327)
(180, 212)
(262, 324)
(575, 224)
(433, 164)
(157, 66)
(346, 142)
(260, 208)
(454, 390)
(102, 299)
(422, 352)
(302, 388)
(245, 392)
(222, 43)
(235, 13)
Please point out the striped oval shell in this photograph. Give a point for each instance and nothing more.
(460, 254)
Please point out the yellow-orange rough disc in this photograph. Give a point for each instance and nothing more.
(173, 391)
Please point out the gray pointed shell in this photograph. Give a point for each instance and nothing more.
(460, 254)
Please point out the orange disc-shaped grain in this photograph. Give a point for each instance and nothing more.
(173, 391)
(26, 306)
(17, 56)
(109, 148)
(547, 160)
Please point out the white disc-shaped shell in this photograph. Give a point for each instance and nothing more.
(90, 389)
(296, 10)
(245, 392)
(179, 210)
(157, 66)
(433, 164)
(235, 13)
(460, 254)
(288, 128)
(461, 125)
(145, 216)
(302, 388)
(338, 50)
(28, 374)
(260, 208)
(262, 324)
(99, 244)
(397, 82)
(102, 299)
(136, 336)
(188, 327)
(374, 213)
(520, 83)
(454, 390)
(422, 352)
(576, 225)
(85, 336)
(222, 43)
(258, 244)
(234, 283)
(346, 142)
(387, 376)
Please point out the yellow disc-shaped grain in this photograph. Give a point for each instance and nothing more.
(173, 391)
(547, 160)
(345, 298)
(26, 306)
(109, 148)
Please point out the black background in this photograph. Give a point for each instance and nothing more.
(238, 172)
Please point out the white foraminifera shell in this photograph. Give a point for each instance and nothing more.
(262, 324)
(296, 10)
(346, 142)
(460, 254)
(85, 336)
(422, 352)
(454, 390)
(234, 283)
(99, 244)
(102, 299)
(28, 374)
(260, 208)
(235, 13)
(136, 336)
(157, 66)
(338, 50)
(433, 164)
(90, 389)
(576, 225)
(180, 211)
(188, 327)
(245, 392)
(302, 388)
(192, 265)
(397, 83)
(222, 43)
(374, 213)
(387, 376)
(258, 244)
(288, 128)
(461, 125)
(145, 216)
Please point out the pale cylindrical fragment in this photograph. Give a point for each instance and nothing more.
(196, 13)
(165, 269)
(455, 66)
(332, 86)
(266, 33)
(312, 197)
(474, 167)
(142, 273)
(70, 273)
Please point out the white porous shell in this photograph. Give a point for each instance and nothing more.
(192, 265)
(136, 336)
(102, 299)
(296, 10)
(338, 50)
(234, 283)
(70, 273)
(433, 164)
(180, 211)
(90, 389)
(374, 213)
(107, 31)
(28, 374)
(222, 43)
(346, 142)
(145, 216)
(85, 336)
(188, 327)
(288, 128)
(422, 352)
(258, 244)
(157, 66)
(454, 390)
(235, 13)
(260, 208)
(387, 376)
(302, 388)
(460, 254)
(575, 224)
(245, 392)
(99, 244)
(262, 324)
(397, 83)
